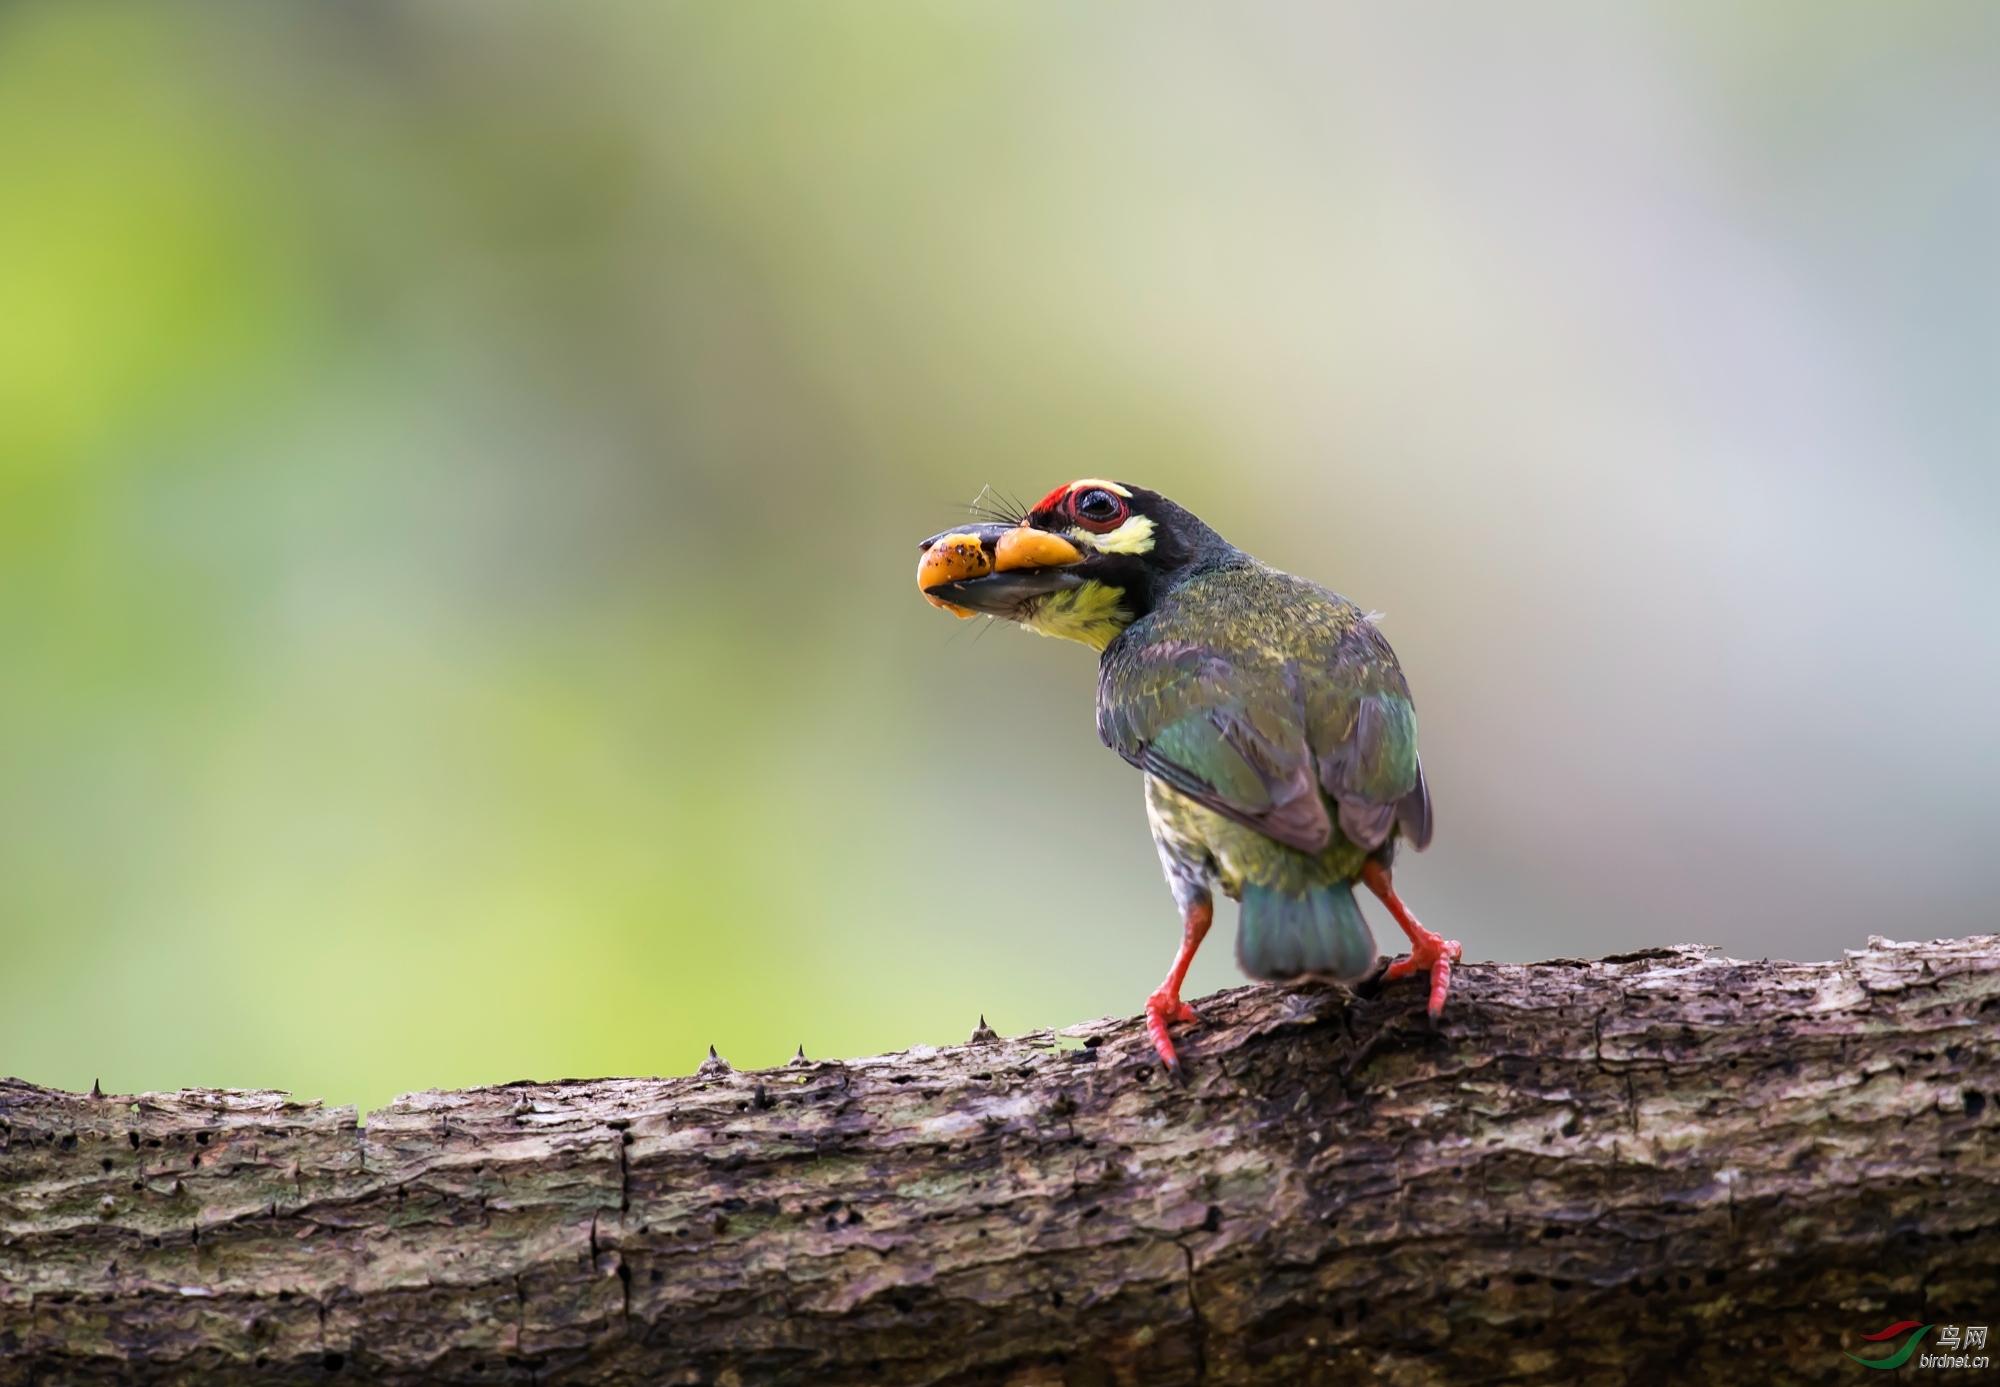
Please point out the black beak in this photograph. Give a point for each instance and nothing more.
(1005, 594)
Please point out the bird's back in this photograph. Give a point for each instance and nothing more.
(1251, 614)
(1276, 731)
(1271, 700)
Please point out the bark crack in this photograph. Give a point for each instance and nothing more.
(1194, 1309)
(624, 1171)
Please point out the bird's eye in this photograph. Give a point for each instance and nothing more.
(1098, 509)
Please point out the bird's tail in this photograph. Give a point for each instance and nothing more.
(1282, 936)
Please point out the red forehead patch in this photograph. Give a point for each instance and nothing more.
(1054, 498)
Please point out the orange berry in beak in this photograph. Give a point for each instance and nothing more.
(948, 560)
(1025, 547)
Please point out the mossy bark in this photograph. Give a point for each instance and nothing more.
(1662, 1167)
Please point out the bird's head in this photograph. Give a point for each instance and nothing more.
(1083, 563)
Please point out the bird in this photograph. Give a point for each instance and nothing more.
(1270, 718)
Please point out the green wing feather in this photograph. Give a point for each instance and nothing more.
(1270, 700)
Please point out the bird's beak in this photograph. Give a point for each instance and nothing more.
(994, 570)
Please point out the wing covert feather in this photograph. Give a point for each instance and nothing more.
(1256, 715)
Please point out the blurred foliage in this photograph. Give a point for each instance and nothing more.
(460, 465)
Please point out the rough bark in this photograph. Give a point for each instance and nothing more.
(1660, 1167)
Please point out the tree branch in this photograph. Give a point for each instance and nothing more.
(1656, 1167)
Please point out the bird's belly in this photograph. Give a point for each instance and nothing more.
(1198, 838)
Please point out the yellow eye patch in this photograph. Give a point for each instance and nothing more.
(1135, 536)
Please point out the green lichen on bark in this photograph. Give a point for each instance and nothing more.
(1666, 1167)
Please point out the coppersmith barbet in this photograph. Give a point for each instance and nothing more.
(1269, 715)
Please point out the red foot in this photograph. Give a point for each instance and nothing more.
(1429, 952)
(1162, 1007)
(1433, 954)
(1165, 1004)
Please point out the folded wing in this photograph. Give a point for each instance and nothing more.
(1286, 737)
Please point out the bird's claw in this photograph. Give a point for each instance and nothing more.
(1433, 954)
(1161, 1008)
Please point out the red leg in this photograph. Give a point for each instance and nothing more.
(1428, 952)
(1165, 1004)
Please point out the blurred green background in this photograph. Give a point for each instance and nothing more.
(461, 463)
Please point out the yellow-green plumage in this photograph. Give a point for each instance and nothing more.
(1242, 856)
(1093, 614)
(1299, 914)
